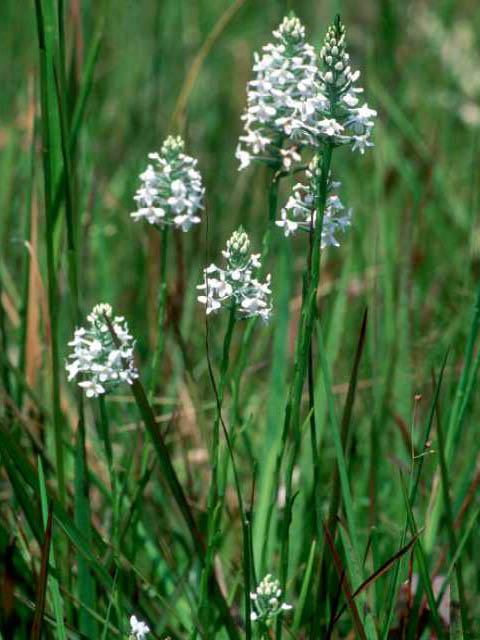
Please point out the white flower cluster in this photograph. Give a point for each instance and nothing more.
(139, 629)
(266, 601)
(235, 285)
(343, 122)
(292, 102)
(171, 191)
(283, 94)
(301, 206)
(96, 359)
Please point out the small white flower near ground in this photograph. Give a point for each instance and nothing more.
(266, 601)
(139, 629)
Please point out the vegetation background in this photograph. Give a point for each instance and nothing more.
(143, 70)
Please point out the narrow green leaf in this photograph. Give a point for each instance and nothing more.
(57, 599)
(458, 552)
(414, 482)
(463, 393)
(300, 606)
(42, 580)
(449, 519)
(456, 629)
(110, 602)
(422, 563)
(21, 495)
(345, 586)
(82, 517)
(356, 577)
(346, 421)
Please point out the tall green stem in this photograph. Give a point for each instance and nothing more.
(245, 348)
(105, 435)
(214, 499)
(266, 246)
(272, 212)
(161, 329)
(162, 308)
(304, 336)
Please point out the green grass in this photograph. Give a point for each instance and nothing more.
(119, 494)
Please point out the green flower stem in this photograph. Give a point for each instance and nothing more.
(266, 246)
(215, 500)
(161, 330)
(314, 445)
(272, 212)
(245, 348)
(246, 343)
(162, 308)
(245, 517)
(304, 336)
(104, 429)
(450, 522)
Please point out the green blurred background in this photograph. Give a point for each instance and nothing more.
(412, 254)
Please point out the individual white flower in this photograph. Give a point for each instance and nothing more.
(330, 128)
(282, 100)
(244, 157)
(139, 629)
(98, 360)
(361, 143)
(171, 193)
(235, 285)
(266, 601)
(301, 206)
